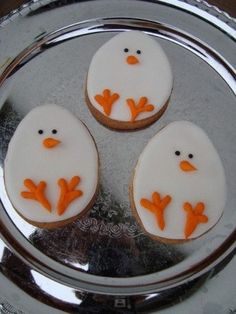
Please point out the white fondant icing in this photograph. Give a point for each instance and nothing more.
(76, 155)
(158, 170)
(151, 77)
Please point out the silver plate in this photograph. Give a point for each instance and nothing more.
(106, 252)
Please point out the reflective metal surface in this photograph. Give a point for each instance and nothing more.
(106, 252)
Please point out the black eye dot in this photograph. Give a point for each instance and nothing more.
(138, 52)
(54, 131)
(190, 155)
(126, 50)
(177, 153)
(40, 131)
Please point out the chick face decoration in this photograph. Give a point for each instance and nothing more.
(129, 81)
(51, 167)
(179, 188)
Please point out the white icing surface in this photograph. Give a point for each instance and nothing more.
(151, 77)
(76, 155)
(158, 170)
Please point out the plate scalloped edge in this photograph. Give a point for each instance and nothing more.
(34, 4)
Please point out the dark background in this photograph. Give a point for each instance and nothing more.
(227, 5)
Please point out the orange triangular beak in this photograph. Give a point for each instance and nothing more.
(187, 166)
(50, 142)
(132, 60)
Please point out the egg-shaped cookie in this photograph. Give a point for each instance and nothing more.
(129, 81)
(51, 167)
(179, 188)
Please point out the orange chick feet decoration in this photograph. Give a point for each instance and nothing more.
(106, 100)
(36, 193)
(194, 216)
(68, 193)
(142, 106)
(157, 207)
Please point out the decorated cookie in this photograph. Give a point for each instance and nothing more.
(129, 81)
(51, 167)
(179, 188)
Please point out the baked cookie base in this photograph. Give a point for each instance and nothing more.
(61, 223)
(157, 238)
(124, 125)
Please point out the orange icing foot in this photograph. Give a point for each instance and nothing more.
(107, 100)
(142, 106)
(36, 193)
(157, 207)
(194, 216)
(68, 193)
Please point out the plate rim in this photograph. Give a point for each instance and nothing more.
(227, 252)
